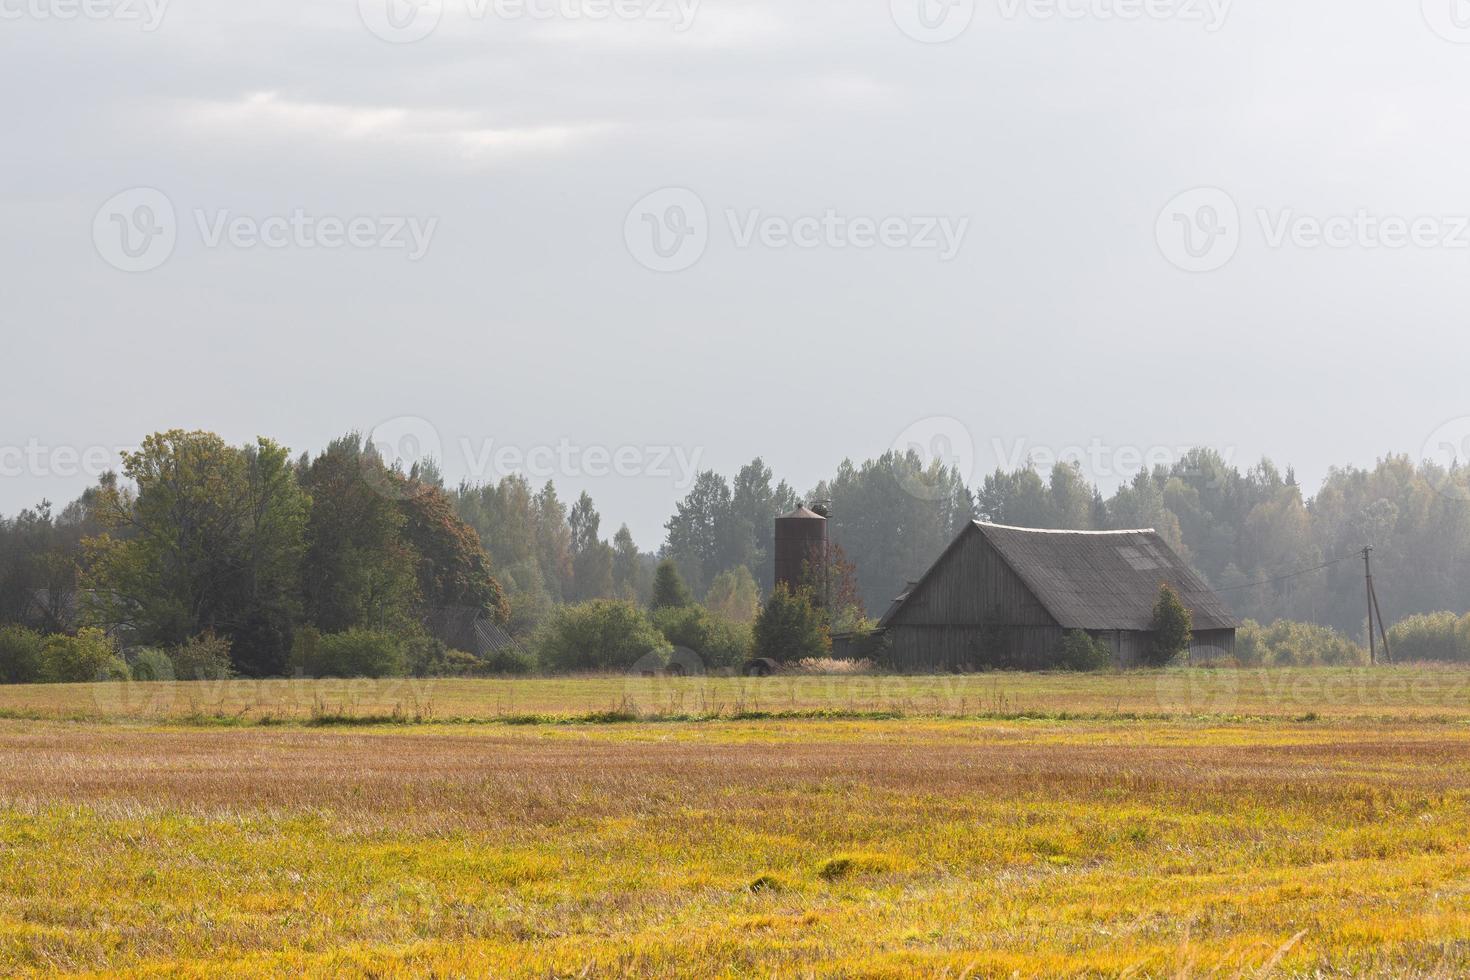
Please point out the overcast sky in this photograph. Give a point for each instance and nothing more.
(610, 242)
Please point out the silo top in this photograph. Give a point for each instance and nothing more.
(802, 513)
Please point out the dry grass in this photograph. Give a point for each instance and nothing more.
(791, 847)
(1431, 693)
(845, 848)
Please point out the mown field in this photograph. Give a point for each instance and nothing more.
(1083, 826)
(1427, 692)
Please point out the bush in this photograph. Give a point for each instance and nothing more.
(91, 655)
(1171, 629)
(790, 627)
(429, 657)
(354, 653)
(1289, 644)
(717, 641)
(669, 590)
(22, 656)
(510, 660)
(204, 658)
(1442, 637)
(603, 634)
(152, 665)
(1079, 651)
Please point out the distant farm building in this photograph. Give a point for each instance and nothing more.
(1005, 596)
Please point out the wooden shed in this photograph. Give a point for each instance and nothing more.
(1005, 596)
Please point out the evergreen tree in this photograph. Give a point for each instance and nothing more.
(1170, 628)
(669, 590)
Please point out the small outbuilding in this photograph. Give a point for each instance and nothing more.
(1005, 597)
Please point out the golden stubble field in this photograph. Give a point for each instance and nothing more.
(1076, 826)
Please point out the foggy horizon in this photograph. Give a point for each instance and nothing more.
(745, 231)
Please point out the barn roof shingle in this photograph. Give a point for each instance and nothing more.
(1104, 580)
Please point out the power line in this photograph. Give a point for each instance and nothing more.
(1282, 578)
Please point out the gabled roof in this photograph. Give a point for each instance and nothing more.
(1096, 580)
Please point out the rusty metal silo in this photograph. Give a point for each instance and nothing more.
(801, 536)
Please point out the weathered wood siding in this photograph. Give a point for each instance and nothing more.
(972, 586)
(950, 648)
(973, 611)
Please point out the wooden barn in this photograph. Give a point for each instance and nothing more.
(1004, 597)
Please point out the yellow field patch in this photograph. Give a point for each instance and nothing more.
(836, 846)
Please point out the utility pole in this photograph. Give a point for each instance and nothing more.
(1368, 572)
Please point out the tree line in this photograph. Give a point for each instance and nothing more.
(193, 537)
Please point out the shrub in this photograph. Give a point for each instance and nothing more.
(354, 653)
(717, 641)
(150, 664)
(1171, 628)
(1441, 636)
(1078, 651)
(509, 660)
(91, 655)
(790, 627)
(1289, 644)
(457, 663)
(22, 655)
(204, 658)
(603, 634)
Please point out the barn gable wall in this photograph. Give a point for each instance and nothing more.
(972, 586)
